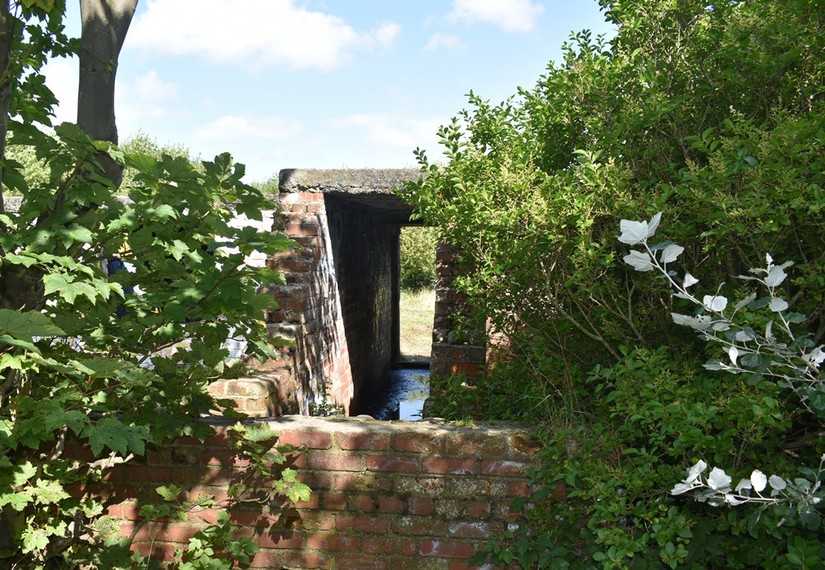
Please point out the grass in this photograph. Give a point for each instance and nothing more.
(416, 309)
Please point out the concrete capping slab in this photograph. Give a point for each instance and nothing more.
(345, 180)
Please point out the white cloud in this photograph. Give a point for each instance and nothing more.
(62, 78)
(388, 130)
(510, 15)
(150, 87)
(253, 34)
(146, 97)
(444, 40)
(236, 127)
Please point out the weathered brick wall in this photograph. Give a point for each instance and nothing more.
(386, 495)
(339, 306)
(311, 309)
(451, 353)
(340, 303)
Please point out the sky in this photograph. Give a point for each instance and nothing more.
(322, 83)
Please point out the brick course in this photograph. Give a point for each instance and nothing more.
(450, 496)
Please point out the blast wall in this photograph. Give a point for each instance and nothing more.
(386, 495)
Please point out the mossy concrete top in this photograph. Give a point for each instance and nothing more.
(345, 180)
(369, 188)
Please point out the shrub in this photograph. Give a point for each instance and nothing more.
(712, 113)
(116, 363)
(418, 245)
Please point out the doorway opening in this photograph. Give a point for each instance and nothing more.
(417, 298)
(403, 395)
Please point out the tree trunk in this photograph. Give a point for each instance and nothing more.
(6, 77)
(104, 27)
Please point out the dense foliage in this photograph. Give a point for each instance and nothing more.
(712, 113)
(418, 245)
(114, 318)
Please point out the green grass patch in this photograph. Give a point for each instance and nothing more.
(416, 308)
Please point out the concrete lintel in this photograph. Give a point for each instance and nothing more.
(345, 180)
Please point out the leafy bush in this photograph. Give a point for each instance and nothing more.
(115, 362)
(711, 113)
(418, 245)
(535, 186)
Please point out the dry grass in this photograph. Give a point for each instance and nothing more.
(417, 323)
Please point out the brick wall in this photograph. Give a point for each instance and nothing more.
(311, 308)
(452, 353)
(386, 495)
(339, 306)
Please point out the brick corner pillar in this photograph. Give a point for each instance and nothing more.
(451, 353)
(310, 308)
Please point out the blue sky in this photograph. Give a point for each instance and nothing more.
(322, 83)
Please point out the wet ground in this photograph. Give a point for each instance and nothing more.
(405, 394)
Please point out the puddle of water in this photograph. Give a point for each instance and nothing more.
(407, 390)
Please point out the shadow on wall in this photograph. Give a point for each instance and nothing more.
(385, 494)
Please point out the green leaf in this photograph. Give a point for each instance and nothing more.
(27, 324)
(17, 501)
(24, 260)
(119, 437)
(12, 361)
(15, 475)
(45, 418)
(299, 492)
(56, 282)
(34, 539)
(78, 233)
(163, 212)
(4, 338)
(168, 492)
(49, 491)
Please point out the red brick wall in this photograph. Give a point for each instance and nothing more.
(340, 303)
(452, 353)
(386, 495)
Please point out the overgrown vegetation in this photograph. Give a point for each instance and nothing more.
(114, 319)
(711, 113)
(418, 245)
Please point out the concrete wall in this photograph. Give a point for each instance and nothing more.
(386, 495)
